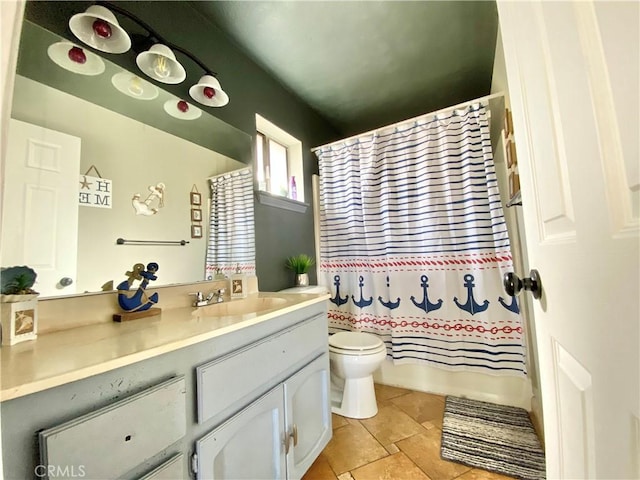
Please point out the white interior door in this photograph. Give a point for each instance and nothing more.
(573, 79)
(40, 207)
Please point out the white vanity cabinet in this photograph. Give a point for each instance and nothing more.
(252, 401)
(277, 436)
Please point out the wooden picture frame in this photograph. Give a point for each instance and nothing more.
(510, 150)
(196, 231)
(196, 215)
(514, 184)
(508, 122)
(196, 198)
(237, 287)
(19, 321)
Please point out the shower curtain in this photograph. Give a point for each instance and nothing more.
(414, 244)
(231, 242)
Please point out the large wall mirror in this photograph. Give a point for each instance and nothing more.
(136, 146)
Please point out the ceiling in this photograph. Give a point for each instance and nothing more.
(365, 64)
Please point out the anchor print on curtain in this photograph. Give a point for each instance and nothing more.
(414, 244)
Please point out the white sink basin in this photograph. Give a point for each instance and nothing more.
(242, 306)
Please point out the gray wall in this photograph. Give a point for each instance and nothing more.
(279, 233)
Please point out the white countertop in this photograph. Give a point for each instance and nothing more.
(69, 355)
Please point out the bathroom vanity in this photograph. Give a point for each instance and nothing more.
(234, 390)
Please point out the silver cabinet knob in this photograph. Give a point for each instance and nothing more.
(66, 281)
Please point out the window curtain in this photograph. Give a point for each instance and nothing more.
(231, 240)
(414, 244)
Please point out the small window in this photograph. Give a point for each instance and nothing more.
(273, 166)
(278, 161)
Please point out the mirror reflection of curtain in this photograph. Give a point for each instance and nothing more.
(231, 233)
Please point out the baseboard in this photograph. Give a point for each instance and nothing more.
(536, 416)
(514, 391)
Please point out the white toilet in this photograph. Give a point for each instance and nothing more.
(354, 356)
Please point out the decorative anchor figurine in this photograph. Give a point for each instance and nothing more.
(337, 300)
(362, 302)
(136, 303)
(390, 305)
(513, 306)
(144, 207)
(471, 306)
(426, 305)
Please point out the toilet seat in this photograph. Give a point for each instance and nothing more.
(355, 343)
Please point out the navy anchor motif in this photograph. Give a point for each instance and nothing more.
(138, 300)
(362, 302)
(426, 305)
(337, 300)
(471, 306)
(513, 306)
(390, 305)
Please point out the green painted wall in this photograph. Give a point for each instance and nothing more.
(279, 233)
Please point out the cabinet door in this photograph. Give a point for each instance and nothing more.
(249, 446)
(308, 408)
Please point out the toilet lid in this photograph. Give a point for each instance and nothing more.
(354, 341)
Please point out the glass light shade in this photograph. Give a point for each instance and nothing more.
(60, 54)
(134, 86)
(209, 92)
(99, 28)
(173, 109)
(160, 63)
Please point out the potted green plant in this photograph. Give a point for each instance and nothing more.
(16, 284)
(300, 264)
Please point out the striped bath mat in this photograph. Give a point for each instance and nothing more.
(492, 437)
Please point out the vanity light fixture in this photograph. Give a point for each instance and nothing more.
(160, 63)
(75, 59)
(182, 110)
(134, 86)
(98, 27)
(209, 92)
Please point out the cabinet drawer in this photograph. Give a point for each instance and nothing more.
(172, 469)
(225, 381)
(111, 441)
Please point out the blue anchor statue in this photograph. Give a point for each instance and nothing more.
(513, 306)
(471, 306)
(426, 305)
(337, 300)
(362, 302)
(138, 300)
(390, 305)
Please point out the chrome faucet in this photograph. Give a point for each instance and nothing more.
(217, 296)
(213, 297)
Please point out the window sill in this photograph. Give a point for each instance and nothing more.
(266, 198)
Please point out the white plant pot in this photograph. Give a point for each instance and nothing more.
(302, 280)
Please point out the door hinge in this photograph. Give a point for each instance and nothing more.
(194, 463)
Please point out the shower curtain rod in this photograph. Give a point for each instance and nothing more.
(229, 173)
(486, 98)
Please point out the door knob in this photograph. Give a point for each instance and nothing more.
(513, 285)
(66, 281)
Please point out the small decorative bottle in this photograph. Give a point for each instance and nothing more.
(238, 283)
(293, 191)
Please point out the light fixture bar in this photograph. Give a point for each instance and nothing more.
(157, 36)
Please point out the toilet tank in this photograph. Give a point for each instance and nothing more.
(307, 289)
